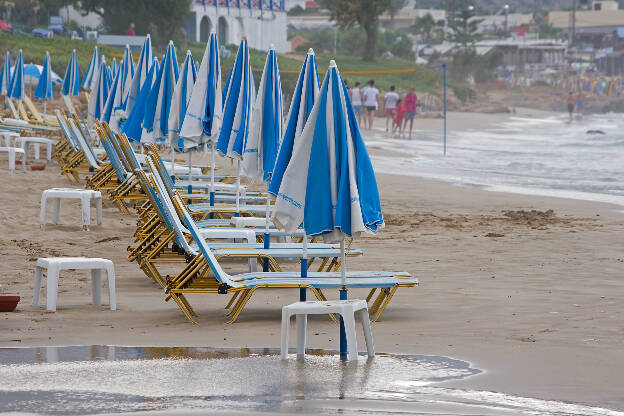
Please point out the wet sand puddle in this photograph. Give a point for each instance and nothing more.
(112, 379)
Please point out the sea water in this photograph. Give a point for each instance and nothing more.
(103, 379)
(532, 155)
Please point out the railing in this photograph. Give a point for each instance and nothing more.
(274, 5)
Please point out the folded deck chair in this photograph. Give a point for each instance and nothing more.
(69, 105)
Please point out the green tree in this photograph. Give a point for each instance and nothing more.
(463, 25)
(164, 19)
(424, 26)
(365, 13)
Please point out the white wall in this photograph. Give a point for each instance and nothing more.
(90, 20)
(261, 29)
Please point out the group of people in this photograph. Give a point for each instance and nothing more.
(398, 109)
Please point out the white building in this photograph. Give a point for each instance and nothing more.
(90, 20)
(261, 27)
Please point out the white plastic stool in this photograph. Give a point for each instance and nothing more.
(12, 151)
(8, 137)
(346, 308)
(85, 196)
(23, 142)
(55, 264)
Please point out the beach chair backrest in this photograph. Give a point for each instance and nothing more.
(147, 185)
(218, 272)
(124, 143)
(83, 145)
(162, 171)
(65, 129)
(113, 140)
(112, 155)
(166, 207)
(12, 108)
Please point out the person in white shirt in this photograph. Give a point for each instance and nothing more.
(390, 102)
(356, 100)
(370, 102)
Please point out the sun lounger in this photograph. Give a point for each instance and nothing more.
(203, 274)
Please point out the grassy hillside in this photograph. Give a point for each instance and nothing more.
(419, 77)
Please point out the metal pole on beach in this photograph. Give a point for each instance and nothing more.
(343, 296)
(444, 76)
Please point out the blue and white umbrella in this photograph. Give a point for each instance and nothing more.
(89, 77)
(127, 68)
(114, 98)
(267, 124)
(181, 99)
(133, 125)
(99, 94)
(5, 76)
(304, 97)
(44, 87)
(237, 109)
(205, 111)
(71, 82)
(156, 119)
(114, 67)
(329, 184)
(17, 86)
(140, 74)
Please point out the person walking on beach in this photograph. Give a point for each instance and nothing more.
(130, 31)
(370, 94)
(355, 94)
(390, 101)
(410, 110)
(398, 119)
(570, 101)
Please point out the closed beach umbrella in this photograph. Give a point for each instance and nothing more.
(89, 77)
(156, 119)
(71, 82)
(99, 94)
(113, 67)
(267, 124)
(140, 73)
(181, 98)
(304, 97)
(16, 88)
(329, 184)
(237, 108)
(127, 68)
(132, 126)
(44, 87)
(205, 111)
(113, 99)
(5, 76)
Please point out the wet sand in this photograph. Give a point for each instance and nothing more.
(532, 298)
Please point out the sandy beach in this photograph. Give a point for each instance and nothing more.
(528, 289)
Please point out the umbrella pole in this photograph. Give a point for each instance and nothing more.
(44, 106)
(343, 296)
(304, 266)
(190, 172)
(238, 173)
(212, 171)
(267, 237)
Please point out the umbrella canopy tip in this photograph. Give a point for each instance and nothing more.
(332, 64)
(244, 38)
(272, 46)
(310, 51)
(148, 36)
